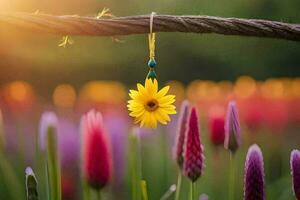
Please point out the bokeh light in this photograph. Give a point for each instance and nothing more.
(245, 86)
(18, 95)
(110, 92)
(64, 96)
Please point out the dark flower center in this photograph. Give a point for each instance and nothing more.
(151, 105)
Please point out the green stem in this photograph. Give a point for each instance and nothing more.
(178, 186)
(144, 190)
(232, 177)
(98, 194)
(53, 165)
(85, 189)
(192, 191)
(135, 165)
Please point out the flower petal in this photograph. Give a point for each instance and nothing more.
(162, 92)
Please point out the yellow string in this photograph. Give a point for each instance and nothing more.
(151, 37)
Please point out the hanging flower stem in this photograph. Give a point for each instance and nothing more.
(178, 186)
(231, 177)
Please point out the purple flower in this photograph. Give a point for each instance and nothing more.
(254, 183)
(118, 138)
(182, 126)
(232, 128)
(193, 154)
(48, 121)
(68, 143)
(295, 169)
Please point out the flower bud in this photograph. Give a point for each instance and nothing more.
(97, 160)
(254, 183)
(182, 125)
(31, 185)
(232, 128)
(295, 170)
(193, 155)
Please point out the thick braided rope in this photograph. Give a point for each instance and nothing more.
(76, 25)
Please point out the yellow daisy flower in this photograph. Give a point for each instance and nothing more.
(148, 105)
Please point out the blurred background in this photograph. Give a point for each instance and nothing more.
(262, 75)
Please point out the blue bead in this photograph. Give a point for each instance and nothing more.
(151, 63)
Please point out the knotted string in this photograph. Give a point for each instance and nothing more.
(151, 38)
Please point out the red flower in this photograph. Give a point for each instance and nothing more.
(217, 131)
(97, 158)
(193, 156)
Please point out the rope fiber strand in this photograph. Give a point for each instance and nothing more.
(91, 26)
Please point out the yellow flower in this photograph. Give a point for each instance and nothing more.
(148, 105)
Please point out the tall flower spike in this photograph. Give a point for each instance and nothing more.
(295, 169)
(48, 144)
(97, 163)
(148, 105)
(182, 125)
(254, 183)
(232, 128)
(48, 121)
(193, 155)
(31, 185)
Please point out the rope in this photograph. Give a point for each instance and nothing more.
(76, 25)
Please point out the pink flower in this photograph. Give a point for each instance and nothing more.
(97, 160)
(182, 126)
(193, 155)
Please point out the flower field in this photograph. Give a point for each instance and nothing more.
(227, 140)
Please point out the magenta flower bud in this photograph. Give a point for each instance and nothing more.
(48, 123)
(295, 169)
(182, 125)
(97, 159)
(232, 128)
(254, 183)
(193, 154)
